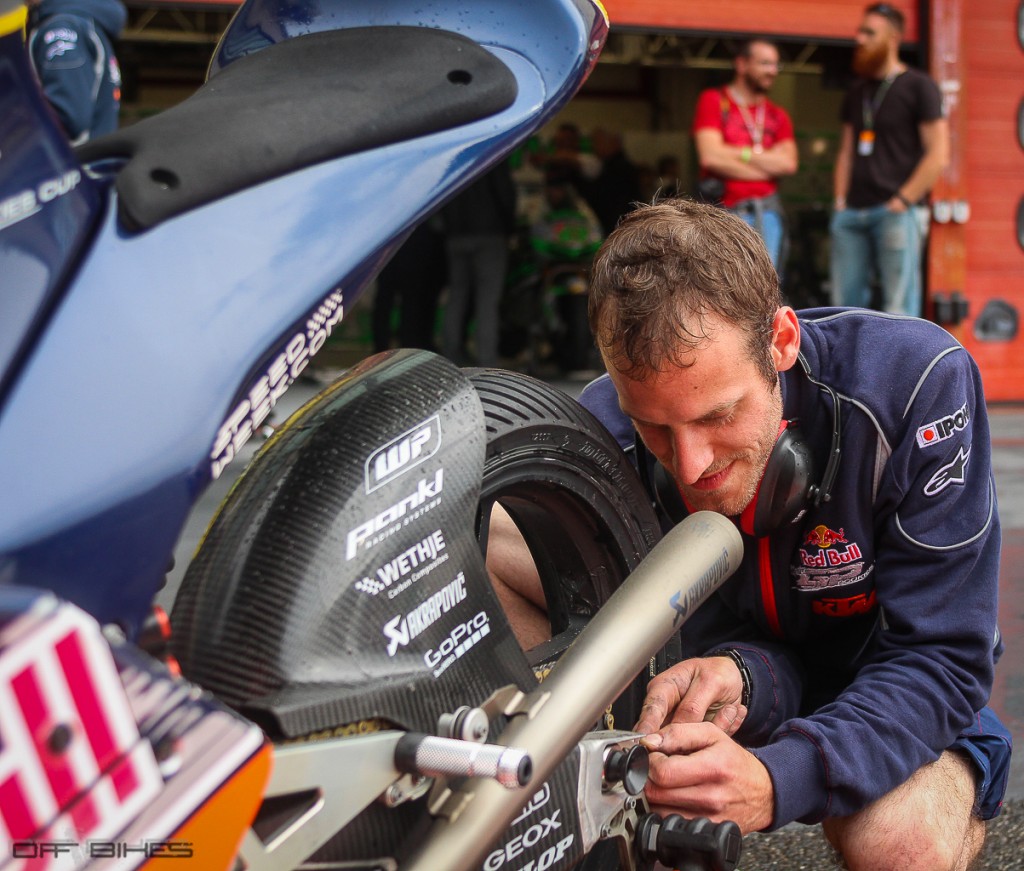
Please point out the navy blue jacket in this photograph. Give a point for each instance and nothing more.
(869, 623)
(72, 52)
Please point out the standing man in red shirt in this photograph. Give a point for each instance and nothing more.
(747, 141)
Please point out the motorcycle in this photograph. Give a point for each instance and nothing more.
(341, 688)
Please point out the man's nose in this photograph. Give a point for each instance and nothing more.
(693, 453)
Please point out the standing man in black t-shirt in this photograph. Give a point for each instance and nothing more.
(894, 146)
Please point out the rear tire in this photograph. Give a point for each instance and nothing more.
(576, 499)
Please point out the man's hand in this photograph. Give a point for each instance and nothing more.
(693, 691)
(699, 771)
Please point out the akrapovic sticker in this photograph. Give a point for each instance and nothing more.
(249, 414)
(403, 453)
(943, 428)
(407, 568)
(426, 496)
(953, 472)
(402, 629)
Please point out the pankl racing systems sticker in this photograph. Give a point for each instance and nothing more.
(425, 497)
(943, 428)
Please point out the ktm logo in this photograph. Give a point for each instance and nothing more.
(852, 607)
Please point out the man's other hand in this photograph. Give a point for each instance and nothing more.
(699, 771)
(694, 691)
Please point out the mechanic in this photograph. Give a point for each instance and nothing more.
(842, 674)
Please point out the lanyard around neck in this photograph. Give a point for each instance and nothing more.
(871, 107)
(755, 126)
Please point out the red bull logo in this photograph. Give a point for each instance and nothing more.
(822, 536)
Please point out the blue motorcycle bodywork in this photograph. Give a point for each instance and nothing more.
(132, 361)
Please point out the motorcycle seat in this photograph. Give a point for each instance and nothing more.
(296, 103)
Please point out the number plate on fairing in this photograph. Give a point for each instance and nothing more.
(73, 767)
(80, 782)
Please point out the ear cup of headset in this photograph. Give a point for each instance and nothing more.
(784, 491)
(785, 487)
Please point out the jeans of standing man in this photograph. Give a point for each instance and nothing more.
(476, 268)
(770, 227)
(874, 242)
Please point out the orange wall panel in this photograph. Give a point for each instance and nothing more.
(836, 19)
(994, 86)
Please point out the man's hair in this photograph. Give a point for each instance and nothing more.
(890, 13)
(665, 270)
(747, 46)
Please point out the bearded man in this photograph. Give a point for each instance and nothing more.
(745, 144)
(894, 146)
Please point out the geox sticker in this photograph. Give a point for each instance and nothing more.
(954, 472)
(540, 831)
(403, 453)
(943, 428)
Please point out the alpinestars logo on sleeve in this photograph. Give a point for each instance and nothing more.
(954, 472)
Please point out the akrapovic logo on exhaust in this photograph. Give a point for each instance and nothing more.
(403, 453)
(401, 630)
(426, 496)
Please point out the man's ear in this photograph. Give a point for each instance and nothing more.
(785, 338)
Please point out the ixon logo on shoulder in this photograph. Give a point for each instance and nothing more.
(943, 428)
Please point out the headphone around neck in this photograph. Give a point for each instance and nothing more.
(787, 486)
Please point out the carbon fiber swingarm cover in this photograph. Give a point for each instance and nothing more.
(342, 580)
(342, 583)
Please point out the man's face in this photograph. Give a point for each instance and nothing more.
(761, 68)
(711, 425)
(874, 38)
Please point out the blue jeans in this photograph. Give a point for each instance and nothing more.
(876, 243)
(771, 230)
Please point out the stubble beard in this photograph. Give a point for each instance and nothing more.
(753, 83)
(732, 505)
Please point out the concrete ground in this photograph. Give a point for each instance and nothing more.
(803, 847)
